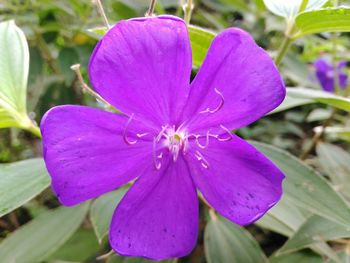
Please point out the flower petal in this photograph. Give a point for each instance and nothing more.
(246, 77)
(86, 155)
(240, 182)
(143, 66)
(158, 217)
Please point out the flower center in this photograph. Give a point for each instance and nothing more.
(175, 141)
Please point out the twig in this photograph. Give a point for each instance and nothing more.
(102, 13)
(86, 88)
(318, 136)
(152, 6)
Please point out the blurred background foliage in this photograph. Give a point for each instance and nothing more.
(311, 224)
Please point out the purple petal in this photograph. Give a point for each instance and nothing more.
(158, 217)
(326, 80)
(86, 155)
(322, 65)
(240, 182)
(143, 66)
(246, 77)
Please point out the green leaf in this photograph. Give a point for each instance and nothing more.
(342, 133)
(80, 247)
(102, 210)
(20, 182)
(14, 66)
(41, 237)
(288, 8)
(315, 230)
(300, 257)
(336, 163)
(320, 96)
(284, 218)
(118, 259)
(226, 242)
(306, 188)
(324, 20)
(200, 43)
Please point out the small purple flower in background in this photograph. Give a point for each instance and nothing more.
(174, 137)
(325, 74)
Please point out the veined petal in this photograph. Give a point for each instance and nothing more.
(239, 182)
(142, 66)
(85, 152)
(238, 75)
(158, 217)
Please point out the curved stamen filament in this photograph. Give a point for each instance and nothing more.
(202, 160)
(125, 137)
(138, 135)
(230, 136)
(157, 164)
(206, 140)
(161, 133)
(221, 104)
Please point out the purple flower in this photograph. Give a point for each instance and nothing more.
(174, 137)
(325, 74)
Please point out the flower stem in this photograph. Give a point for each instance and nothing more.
(290, 31)
(102, 13)
(152, 6)
(188, 8)
(86, 88)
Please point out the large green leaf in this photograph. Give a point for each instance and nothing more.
(324, 20)
(14, 66)
(290, 8)
(41, 237)
(20, 182)
(299, 257)
(336, 163)
(200, 42)
(118, 259)
(102, 210)
(284, 218)
(226, 242)
(320, 96)
(79, 248)
(315, 230)
(306, 188)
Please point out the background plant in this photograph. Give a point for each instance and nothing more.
(307, 136)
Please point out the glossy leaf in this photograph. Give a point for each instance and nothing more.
(200, 43)
(20, 182)
(102, 210)
(289, 9)
(306, 188)
(14, 66)
(324, 20)
(79, 248)
(226, 242)
(336, 163)
(320, 97)
(315, 230)
(299, 257)
(41, 237)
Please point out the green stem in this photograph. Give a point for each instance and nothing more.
(34, 130)
(188, 8)
(290, 32)
(287, 41)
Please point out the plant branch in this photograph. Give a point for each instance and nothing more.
(152, 6)
(102, 13)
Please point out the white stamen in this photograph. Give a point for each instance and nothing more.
(208, 110)
(228, 132)
(157, 164)
(127, 141)
(202, 160)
